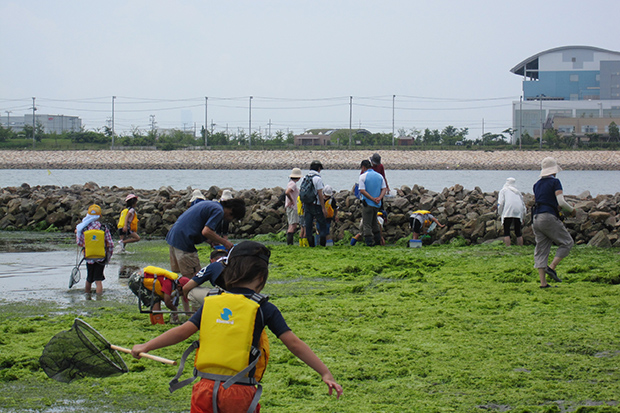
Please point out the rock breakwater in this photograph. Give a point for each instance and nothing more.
(468, 214)
(332, 159)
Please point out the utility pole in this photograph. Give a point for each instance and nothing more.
(8, 118)
(206, 121)
(113, 98)
(350, 120)
(34, 108)
(250, 125)
(393, 136)
(153, 123)
(269, 124)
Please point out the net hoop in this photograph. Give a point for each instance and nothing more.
(118, 361)
(75, 276)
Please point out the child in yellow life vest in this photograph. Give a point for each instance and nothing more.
(332, 212)
(128, 222)
(421, 222)
(98, 247)
(165, 283)
(221, 355)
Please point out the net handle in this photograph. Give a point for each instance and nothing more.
(145, 355)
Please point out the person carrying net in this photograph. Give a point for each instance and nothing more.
(231, 384)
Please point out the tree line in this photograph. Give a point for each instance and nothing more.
(448, 137)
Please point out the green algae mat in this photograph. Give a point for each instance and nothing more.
(437, 329)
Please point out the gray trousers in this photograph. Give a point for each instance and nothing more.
(370, 225)
(548, 230)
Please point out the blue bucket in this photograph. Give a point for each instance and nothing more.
(415, 243)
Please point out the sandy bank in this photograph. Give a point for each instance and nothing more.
(332, 159)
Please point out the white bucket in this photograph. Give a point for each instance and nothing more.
(415, 243)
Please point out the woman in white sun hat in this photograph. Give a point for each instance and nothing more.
(547, 225)
(290, 204)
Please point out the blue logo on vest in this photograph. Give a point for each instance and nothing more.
(226, 313)
(225, 317)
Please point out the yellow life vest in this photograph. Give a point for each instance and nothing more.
(133, 225)
(225, 352)
(94, 244)
(151, 272)
(329, 208)
(226, 332)
(427, 222)
(300, 207)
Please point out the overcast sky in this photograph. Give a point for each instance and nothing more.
(447, 62)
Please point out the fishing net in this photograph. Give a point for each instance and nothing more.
(75, 276)
(80, 352)
(145, 296)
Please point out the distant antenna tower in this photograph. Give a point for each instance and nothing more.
(153, 123)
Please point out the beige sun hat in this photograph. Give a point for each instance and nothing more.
(295, 173)
(226, 195)
(549, 166)
(197, 194)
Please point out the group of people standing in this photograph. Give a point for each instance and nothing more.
(320, 206)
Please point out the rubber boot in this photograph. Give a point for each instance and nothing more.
(377, 239)
(353, 241)
(369, 241)
(322, 241)
(289, 238)
(310, 241)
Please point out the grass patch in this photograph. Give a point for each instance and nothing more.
(438, 329)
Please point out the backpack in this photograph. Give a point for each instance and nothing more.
(136, 285)
(329, 208)
(307, 194)
(94, 244)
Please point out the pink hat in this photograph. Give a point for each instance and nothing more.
(130, 196)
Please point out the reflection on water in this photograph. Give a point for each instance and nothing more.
(36, 267)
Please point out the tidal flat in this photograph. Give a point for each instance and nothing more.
(448, 328)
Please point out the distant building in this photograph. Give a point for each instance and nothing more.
(325, 137)
(50, 123)
(574, 89)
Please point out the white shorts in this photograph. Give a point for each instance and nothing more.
(292, 216)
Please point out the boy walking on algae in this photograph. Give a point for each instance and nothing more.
(229, 371)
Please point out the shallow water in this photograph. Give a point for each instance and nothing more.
(44, 275)
(574, 182)
(36, 267)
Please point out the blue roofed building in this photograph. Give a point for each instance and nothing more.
(574, 89)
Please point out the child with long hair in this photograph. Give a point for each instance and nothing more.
(222, 387)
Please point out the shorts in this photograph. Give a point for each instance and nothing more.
(416, 226)
(122, 233)
(95, 272)
(186, 263)
(197, 296)
(292, 216)
(236, 399)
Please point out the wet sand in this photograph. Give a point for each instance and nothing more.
(331, 159)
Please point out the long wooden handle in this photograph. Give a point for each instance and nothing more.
(145, 355)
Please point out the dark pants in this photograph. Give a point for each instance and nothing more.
(94, 272)
(508, 222)
(370, 228)
(312, 212)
